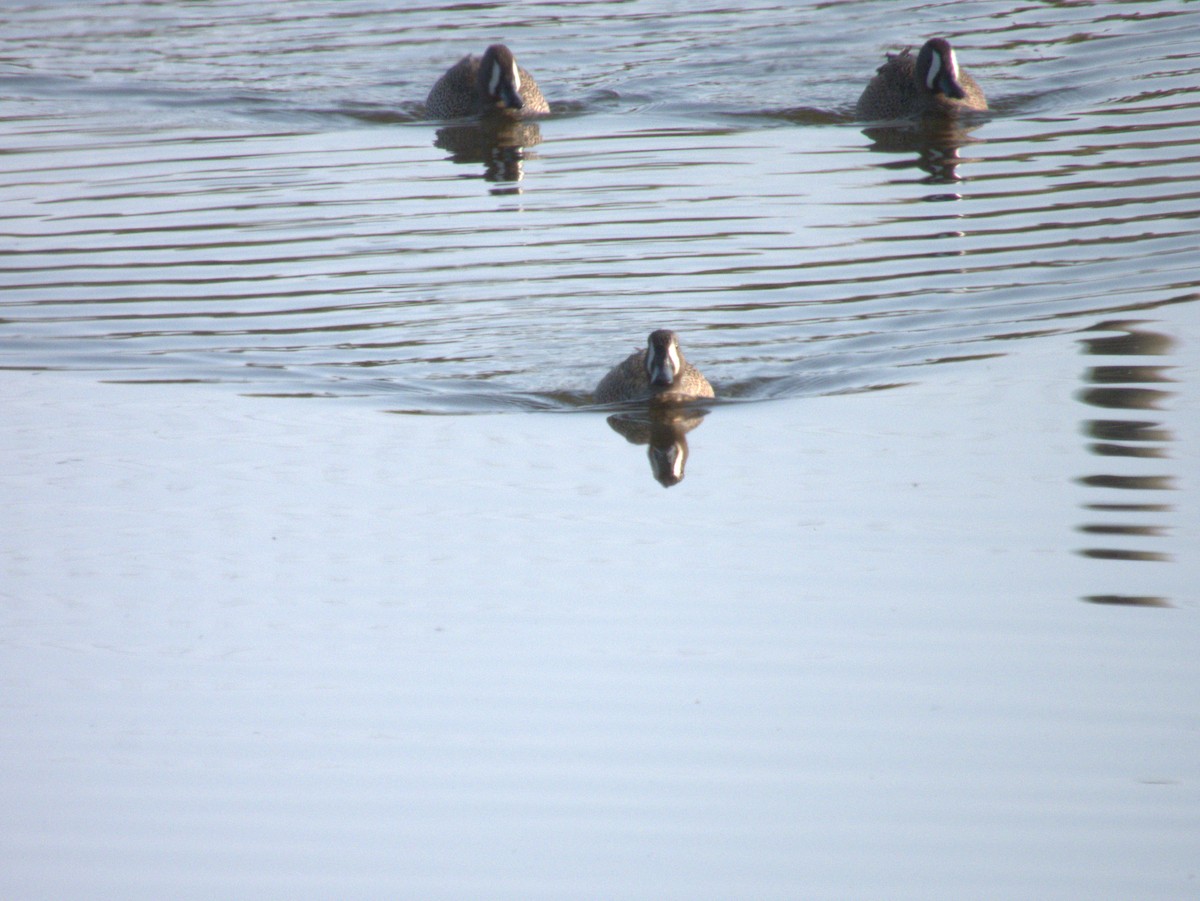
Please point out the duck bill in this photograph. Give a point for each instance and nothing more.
(948, 85)
(510, 97)
(662, 371)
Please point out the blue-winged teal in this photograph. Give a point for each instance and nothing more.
(658, 373)
(929, 83)
(491, 83)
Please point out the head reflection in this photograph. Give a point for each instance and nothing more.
(663, 429)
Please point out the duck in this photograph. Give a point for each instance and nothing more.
(656, 373)
(492, 83)
(931, 83)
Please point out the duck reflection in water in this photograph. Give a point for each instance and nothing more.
(664, 429)
(936, 144)
(500, 144)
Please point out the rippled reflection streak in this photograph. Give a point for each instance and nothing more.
(937, 145)
(1126, 390)
(501, 146)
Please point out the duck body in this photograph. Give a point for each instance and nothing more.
(928, 84)
(656, 373)
(488, 84)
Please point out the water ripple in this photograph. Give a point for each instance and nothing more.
(293, 228)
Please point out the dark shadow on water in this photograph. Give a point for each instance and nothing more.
(1128, 502)
(1122, 600)
(663, 430)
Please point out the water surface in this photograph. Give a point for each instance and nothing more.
(916, 615)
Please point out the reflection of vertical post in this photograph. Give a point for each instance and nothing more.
(1129, 503)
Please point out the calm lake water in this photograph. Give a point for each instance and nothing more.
(322, 576)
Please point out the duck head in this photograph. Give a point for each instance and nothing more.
(499, 78)
(663, 359)
(937, 69)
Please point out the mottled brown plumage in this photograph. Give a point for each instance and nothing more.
(930, 83)
(658, 373)
(492, 83)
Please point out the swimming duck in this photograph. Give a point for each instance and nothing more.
(929, 84)
(491, 83)
(657, 373)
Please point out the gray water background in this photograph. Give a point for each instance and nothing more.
(322, 576)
